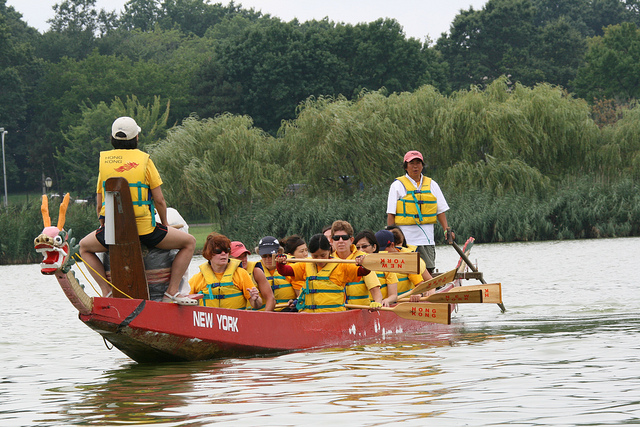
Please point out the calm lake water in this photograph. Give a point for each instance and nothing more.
(566, 353)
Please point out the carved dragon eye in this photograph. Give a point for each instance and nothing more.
(57, 240)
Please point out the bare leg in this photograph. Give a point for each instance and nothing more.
(89, 245)
(186, 244)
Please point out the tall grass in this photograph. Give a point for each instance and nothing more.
(580, 208)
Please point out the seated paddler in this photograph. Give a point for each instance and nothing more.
(283, 291)
(366, 290)
(322, 284)
(406, 282)
(239, 251)
(221, 280)
(366, 242)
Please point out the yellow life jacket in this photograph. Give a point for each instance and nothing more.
(282, 289)
(357, 292)
(223, 293)
(419, 206)
(404, 282)
(320, 294)
(131, 165)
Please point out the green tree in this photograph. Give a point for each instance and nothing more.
(19, 69)
(531, 41)
(198, 16)
(71, 83)
(560, 51)
(273, 66)
(142, 15)
(619, 154)
(174, 56)
(603, 13)
(612, 65)
(74, 29)
(486, 44)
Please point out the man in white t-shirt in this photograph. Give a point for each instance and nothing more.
(414, 204)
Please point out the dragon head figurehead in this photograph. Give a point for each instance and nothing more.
(53, 242)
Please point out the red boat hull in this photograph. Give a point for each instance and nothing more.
(149, 331)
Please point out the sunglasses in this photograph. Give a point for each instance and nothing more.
(362, 247)
(343, 237)
(220, 250)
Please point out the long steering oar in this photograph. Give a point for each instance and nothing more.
(424, 312)
(472, 267)
(398, 262)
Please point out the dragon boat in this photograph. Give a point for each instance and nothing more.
(150, 331)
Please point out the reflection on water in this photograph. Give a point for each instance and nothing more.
(136, 394)
(565, 353)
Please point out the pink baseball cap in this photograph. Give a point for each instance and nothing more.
(413, 155)
(238, 249)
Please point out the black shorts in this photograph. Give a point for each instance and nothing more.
(149, 240)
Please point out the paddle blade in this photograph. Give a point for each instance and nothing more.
(439, 280)
(456, 297)
(396, 262)
(424, 312)
(491, 292)
(466, 249)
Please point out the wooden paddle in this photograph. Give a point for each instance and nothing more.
(397, 262)
(423, 312)
(491, 292)
(473, 267)
(454, 297)
(439, 280)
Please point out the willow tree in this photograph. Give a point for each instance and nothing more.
(619, 155)
(213, 165)
(525, 133)
(497, 177)
(333, 139)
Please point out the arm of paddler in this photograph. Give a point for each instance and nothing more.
(197, 283)
(417, 278)
(392, 289)
(243, 281)
(265, 289)
(362, 272)
(284, 269)
(376, 295)
(373, 285)
(371, 280)
(297, 286)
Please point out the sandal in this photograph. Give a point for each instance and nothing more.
(179, 299)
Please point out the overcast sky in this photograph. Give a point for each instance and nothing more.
(419, 18)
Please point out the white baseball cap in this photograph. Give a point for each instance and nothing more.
(126, 126)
